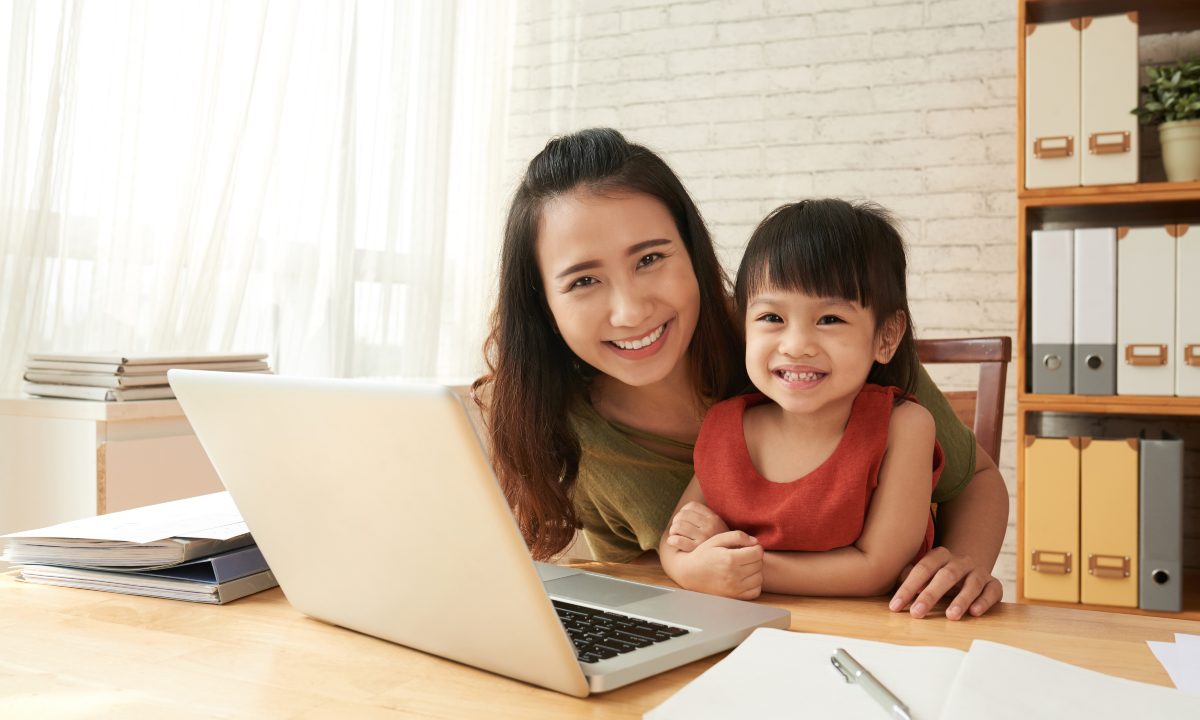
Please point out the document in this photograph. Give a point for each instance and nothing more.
(999, 681)
(781, 674)
(1181, 660)
(148, 585)
(152, 536)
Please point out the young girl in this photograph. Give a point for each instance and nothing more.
(612, 334)
(825, 475)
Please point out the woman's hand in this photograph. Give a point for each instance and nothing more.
(692, 525)
(940, 572)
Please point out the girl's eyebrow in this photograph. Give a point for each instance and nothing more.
(634, 249)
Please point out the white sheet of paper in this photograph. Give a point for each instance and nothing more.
(998, 681)
(1187, 658)
(212, 516)
(1165, 653)
(781, 674)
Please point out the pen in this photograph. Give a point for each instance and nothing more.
(855, 673)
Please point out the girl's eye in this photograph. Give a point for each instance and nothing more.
(769, 318)
(649, 259)
(828, 320)
(583, 282)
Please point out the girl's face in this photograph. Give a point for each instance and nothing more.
(619, 283)
(807, 353)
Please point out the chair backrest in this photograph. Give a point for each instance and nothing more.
(981, 409)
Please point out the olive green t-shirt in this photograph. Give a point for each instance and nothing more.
(624, 494)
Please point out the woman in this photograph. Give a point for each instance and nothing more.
(613, 333)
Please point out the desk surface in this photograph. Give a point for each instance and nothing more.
(67, 651)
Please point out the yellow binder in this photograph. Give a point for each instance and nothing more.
(1051, 519)
(1109, 522)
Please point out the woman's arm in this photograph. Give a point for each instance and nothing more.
(897, 519)
(972, 526)
(728, 563)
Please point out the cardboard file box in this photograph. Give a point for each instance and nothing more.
(1051, 300)
(1095, 312)
(1160, 533)
(1187, 295)
(1108, 509)
(1108, 137)
(1051, 519)
(1146, 310)
(1052, 100)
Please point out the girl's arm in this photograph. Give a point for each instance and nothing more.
(897, 519)
(972, 529)
(729, 563)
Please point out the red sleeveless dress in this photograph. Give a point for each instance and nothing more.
(823, 510)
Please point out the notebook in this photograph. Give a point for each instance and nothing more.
(376, 508)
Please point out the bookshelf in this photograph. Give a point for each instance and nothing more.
(1150, 203)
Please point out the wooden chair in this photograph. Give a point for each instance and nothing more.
(981, 409)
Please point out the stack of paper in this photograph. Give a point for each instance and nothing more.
(124, 377)
(196, 549)
(781, 674)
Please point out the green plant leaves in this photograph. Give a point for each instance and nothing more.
(1172, 92)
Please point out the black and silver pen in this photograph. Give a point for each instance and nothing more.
(855, 673)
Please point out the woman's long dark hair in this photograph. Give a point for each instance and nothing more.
(533, 378)
(832, 248)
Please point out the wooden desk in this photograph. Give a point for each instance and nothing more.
(71, 652)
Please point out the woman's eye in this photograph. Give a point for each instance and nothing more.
(828, 320)
(583, 282)
(649, 259)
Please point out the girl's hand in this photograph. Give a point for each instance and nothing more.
(939, 572)
(729, 564)
(692, 525)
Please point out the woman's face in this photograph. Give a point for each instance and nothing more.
(619, 283)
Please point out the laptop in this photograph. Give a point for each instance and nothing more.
(377, 510)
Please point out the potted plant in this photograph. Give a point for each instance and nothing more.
(1172, 101)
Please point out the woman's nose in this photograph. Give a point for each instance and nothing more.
(631, 306)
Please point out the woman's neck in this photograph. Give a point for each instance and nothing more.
(670, 407)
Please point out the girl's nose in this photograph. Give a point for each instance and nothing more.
(796, 341)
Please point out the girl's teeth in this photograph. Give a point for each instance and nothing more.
(643, 342)
(798, 377)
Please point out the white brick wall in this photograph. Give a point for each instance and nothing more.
(754, 103)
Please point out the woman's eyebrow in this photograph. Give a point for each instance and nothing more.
(646, 245)
(633, 250)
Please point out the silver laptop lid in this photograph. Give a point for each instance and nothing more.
(376, 508)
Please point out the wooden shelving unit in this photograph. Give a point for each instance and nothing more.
(1131, 204)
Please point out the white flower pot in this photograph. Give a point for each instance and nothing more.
(1181, 149)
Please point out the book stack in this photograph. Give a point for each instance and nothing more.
(197, 549)
(119, 377)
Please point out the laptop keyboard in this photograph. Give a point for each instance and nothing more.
(599, 635)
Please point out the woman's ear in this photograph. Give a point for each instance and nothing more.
(888, 338)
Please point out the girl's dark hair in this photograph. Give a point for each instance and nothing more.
(832, 248)
(534, 379)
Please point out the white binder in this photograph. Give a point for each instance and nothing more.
(1095, 330)
(1052, 104)
(1146, 310)
(1051, 298)
(1187, 293)
(1108, 138)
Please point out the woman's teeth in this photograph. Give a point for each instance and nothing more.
(641, 342)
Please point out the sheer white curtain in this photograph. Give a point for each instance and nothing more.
(320, 180)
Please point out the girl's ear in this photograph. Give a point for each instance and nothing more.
(889, 336)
